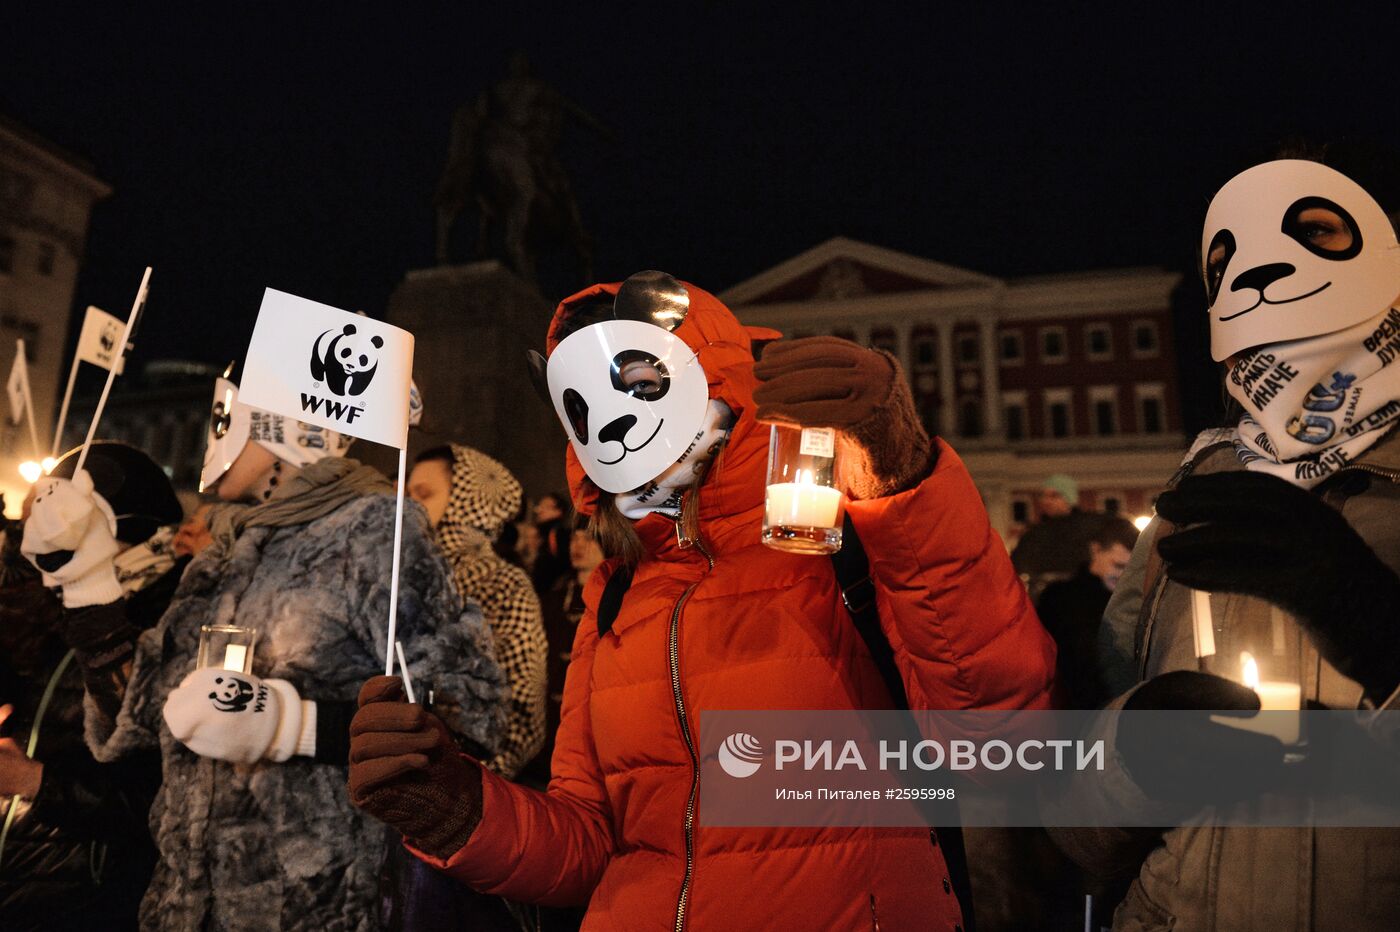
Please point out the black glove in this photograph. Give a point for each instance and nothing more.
(1186, 757)
(1259, 535)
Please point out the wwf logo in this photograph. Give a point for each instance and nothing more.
(108, 339)
(346, 362)
(233, 694)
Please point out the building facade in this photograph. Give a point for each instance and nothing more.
(1070, 373)
(46, 198)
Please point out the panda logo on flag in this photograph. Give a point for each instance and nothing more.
(347, 363)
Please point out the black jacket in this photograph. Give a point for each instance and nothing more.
(80, 855)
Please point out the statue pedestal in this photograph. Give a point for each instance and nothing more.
(472, 325)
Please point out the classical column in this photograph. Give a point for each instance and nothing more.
(947, 418)
(991, 377)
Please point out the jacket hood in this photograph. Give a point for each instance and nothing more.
(724, 347)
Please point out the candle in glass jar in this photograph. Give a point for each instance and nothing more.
(235, 657)
(1274, 696)
(802, 504)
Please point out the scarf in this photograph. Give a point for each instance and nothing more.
(316, 491)
(139, 566)
(1314, 405)
(663, 494)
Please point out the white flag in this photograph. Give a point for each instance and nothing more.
(325, 366)
(18, 384)
(100, 340)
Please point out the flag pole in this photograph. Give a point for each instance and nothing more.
(29, 404)
(63, 410)
(112, 372)
(394, 572)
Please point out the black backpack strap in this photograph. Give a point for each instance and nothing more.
(852, 568)
(610, 602)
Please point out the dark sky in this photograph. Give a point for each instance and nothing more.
(300, 151)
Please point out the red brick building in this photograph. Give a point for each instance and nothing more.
(1069, 373)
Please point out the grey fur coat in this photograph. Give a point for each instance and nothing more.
(278, 846)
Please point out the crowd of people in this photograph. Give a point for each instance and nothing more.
(547, 774)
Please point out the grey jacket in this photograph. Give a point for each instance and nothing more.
(278, 846)
(1208, 877)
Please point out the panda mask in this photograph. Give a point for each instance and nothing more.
(630, 393)
(232, 424)
(1277, 286)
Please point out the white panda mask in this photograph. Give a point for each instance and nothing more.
(625, 434)
(227, 435)
(232, 424)
(1275, 285)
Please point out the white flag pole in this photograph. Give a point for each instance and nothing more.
(394, 572)
(403, 668)
(29, 412)
(112, 372)
(63, 410)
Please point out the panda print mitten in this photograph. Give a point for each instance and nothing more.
(236, 717)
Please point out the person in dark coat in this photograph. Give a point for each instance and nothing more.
(77, 845)
(551, 564)
(1072, 610)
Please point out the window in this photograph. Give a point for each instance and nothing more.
(1014, 414)
(970, 418)
(1052, 344)
(1012, 351)
(925, 350)
(1151, 408)
(1020, 511)
(1098, 341)
(1103, 409)
(1058, 415)
(928, 413)
(43, 264)
(1144, 338)
(7, 254)
(884, 338)
(969, 349)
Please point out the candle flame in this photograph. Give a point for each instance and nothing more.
(1250, 670)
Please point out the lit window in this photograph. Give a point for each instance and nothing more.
(1052, 344)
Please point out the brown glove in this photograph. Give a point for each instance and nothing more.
(406, 771)
(831, 382)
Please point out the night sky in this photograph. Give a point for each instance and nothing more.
(299, 151)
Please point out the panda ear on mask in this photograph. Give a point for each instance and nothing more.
(653, 298)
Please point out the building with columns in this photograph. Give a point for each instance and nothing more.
(46, 197)
(1071, 373)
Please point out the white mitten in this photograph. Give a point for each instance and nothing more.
(71, 537)
(239, 718)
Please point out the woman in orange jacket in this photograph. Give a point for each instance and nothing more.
(651, 379)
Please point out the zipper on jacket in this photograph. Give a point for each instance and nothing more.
(673, 647)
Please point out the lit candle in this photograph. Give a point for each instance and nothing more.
(802, 504)
(235, 656)
(1274, 696)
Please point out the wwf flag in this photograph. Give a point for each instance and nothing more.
(100, 339)
(328, 367)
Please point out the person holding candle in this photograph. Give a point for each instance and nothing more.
(657, 387)
(1288, 513)
(252, 823)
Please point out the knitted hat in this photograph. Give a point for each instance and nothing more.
(485, 495)
(138, 491)
(1063, 484)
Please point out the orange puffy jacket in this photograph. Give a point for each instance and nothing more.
(732, 624)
